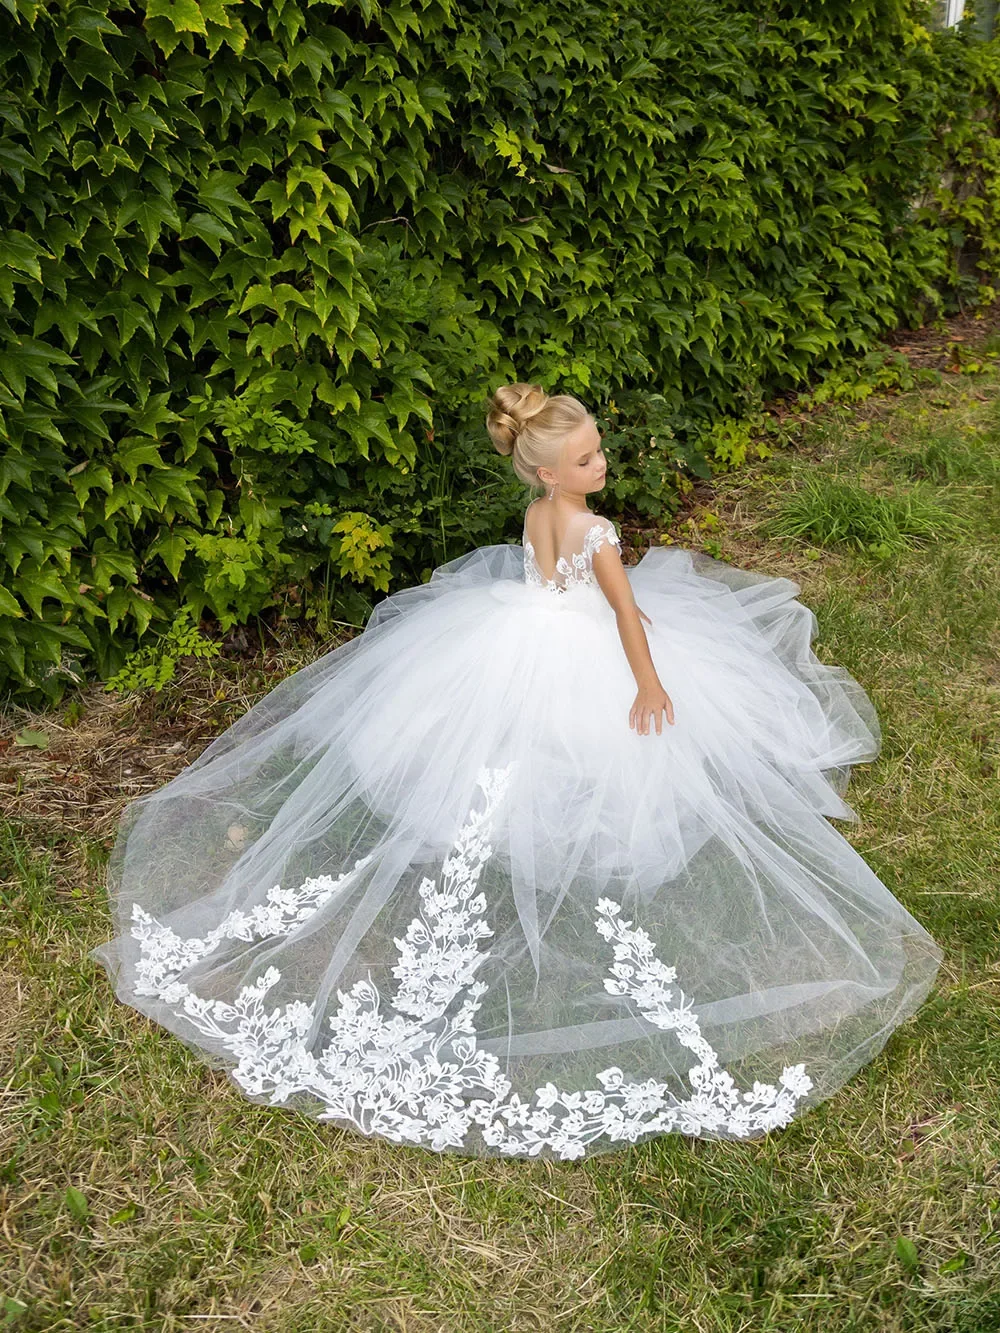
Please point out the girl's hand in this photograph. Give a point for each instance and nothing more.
(648, 703)
(644, 616)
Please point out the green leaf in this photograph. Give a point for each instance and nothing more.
(76, 1203)
(170, 547)
(152, 215)
(215, 12)
(212, 230)
(140, 455)
(9, 605)
(67, 316)
(270, 337)
(31, 739)
(220, 196)
(116, 606)
(21, 252)
(339, 396)
(955, 1264)
(35, 587)
(30, 358)
(88, 63)
(182, 15)
(906, 1252)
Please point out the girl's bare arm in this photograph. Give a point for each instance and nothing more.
(651, 698)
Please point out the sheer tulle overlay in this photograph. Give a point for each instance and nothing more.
(434, 888)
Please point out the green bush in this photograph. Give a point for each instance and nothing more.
(260, 264)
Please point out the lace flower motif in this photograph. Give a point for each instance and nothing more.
(410, 1070)
(581, 571)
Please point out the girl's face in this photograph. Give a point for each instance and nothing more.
(583, 466)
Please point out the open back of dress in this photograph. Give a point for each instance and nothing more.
(584, 536)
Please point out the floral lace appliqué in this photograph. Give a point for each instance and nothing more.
(406, 1073)
(581, 571)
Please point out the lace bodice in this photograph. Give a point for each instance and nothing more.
(575, 565)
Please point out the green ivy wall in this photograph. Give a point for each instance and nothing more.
(260, 264)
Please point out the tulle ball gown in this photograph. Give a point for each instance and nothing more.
(435, 889)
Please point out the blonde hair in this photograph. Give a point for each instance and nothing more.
(531, 427)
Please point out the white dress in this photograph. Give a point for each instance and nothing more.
(434, 888)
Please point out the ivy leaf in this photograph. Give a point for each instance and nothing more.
(182, 15)
(89, 27)
(170, 547)
(213, 231)
(44, 583)
(220, 196)
(21, 252)
(152, 214)
(9, 605)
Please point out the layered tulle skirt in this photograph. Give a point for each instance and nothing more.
(434, 888)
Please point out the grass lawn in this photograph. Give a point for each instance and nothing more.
(141, 1190)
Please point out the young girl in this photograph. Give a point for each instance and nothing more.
(476, 881)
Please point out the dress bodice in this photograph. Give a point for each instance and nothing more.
(575, 564)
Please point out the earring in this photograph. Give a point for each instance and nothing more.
(553, 491)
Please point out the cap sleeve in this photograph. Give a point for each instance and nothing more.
(604, 532)
(600, 533)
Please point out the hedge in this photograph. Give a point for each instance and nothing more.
(261, 263)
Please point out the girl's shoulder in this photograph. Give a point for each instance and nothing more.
(578, 524)
(589, 519)
(585, 515)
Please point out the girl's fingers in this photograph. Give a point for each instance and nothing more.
(639, 719)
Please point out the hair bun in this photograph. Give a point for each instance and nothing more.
(537, 423)
(510, 408)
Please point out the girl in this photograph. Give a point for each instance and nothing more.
(475, 881)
